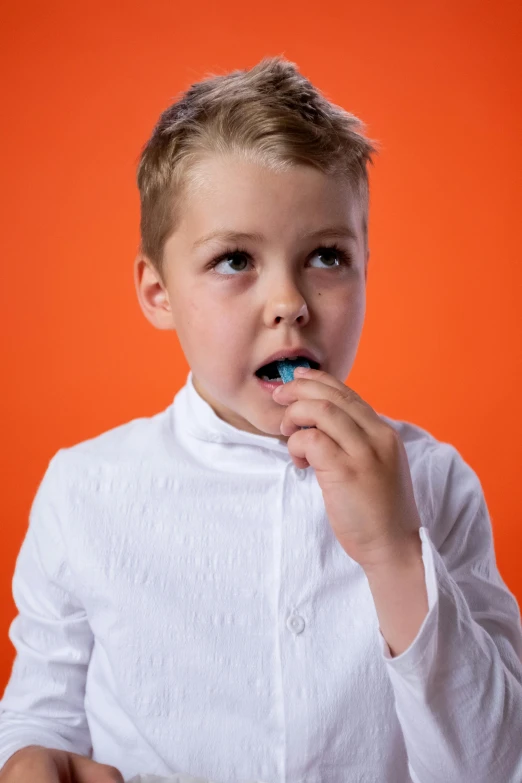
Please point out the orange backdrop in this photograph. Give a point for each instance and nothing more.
(438, 83)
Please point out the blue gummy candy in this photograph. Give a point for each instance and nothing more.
(286, 371)
(286, 368)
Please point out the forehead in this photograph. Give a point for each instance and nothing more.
(227, 193)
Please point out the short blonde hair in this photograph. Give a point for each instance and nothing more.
(270, 114)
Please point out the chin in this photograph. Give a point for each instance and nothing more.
(275, 434)
(266, 430)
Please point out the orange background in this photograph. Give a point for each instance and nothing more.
(437, 83)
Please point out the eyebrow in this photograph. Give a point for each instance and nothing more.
(239, 236)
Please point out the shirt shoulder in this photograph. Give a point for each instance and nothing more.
(142, 440)
(421, 444)
(417, 440)
(448, 491)
(446, 486)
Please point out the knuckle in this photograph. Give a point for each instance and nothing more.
(341, 396)
(20, 756)
(28, 763)
(390, 438)
(326, 405)
(112, 774)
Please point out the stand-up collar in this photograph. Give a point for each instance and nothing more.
(198, 419)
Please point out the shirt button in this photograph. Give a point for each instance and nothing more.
(295, 623)
(300, 473)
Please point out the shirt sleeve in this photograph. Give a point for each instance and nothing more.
(458, 686)
(43, 702)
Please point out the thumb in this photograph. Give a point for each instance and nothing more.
(86, 770)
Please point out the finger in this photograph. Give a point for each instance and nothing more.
(318, 449)
(317, 375)
(27, 765)
(89, 771)
(317, 384)
(330, 420)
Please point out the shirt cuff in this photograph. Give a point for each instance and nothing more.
(424, 642)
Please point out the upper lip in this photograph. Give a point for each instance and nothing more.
(284, 353)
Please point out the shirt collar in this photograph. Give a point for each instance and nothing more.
(198, 419)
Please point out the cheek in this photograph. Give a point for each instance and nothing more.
(216, 332)
(200, 313)
(219, 327)
(347, 313)
(344, 324)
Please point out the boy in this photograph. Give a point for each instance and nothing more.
(264, 581)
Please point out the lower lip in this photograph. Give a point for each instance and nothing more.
(268, 385)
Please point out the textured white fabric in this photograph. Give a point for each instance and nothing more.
(184, 606)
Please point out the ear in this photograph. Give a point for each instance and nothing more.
(366, 265)
(152, 294)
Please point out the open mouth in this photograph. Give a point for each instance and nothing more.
(270, 372)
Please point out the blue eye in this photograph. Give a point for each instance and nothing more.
(344, 258)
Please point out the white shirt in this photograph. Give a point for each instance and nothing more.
(184, 606)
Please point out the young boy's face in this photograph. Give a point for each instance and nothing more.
(280, 292)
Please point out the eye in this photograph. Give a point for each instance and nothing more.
(242, 255)
(342, 255)
(225, 257)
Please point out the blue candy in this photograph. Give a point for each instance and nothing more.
(287, 366)
(286, 371)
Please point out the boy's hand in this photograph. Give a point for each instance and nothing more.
(360, 463)
(36, 764)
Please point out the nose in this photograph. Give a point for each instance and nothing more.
(286, 303)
